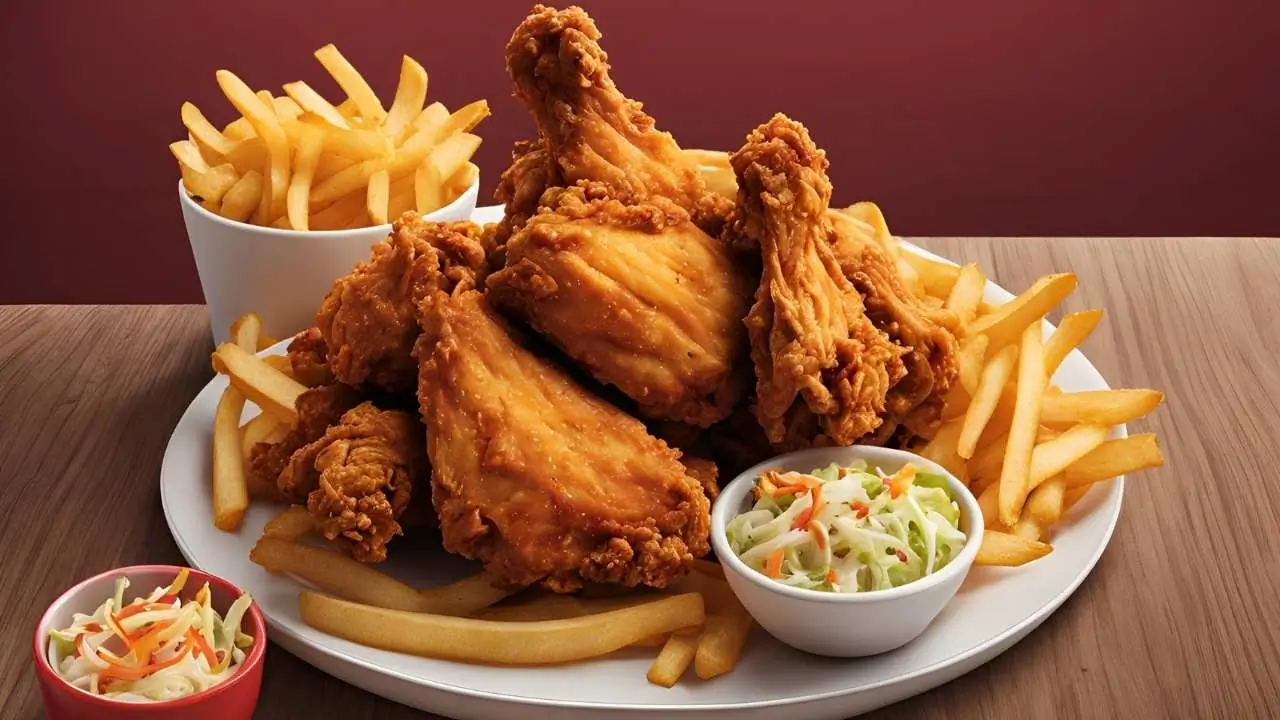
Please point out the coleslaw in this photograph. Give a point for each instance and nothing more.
(848, 529)
(154, 648)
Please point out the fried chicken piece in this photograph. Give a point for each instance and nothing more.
(536, 477)
(367, 320)
(521, 186)
(637, 294)
(318, 408)
(589, 129)
(926, 336)
(307, 357)
(811, 340)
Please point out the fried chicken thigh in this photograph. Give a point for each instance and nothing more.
(368, 322)
(318, 408)
(816, 353)
(589, 130)
(536, 477)
(358, 477)
(637, 294)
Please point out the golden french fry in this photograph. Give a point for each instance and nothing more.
(286, 109)
(343, 147)
(972, 354)
(558, 607)
(1000, 548)
(942, 448)
(938, 278)
(1015, 469)
(340, 213)
(188, 155)
(676, 656)
(720, 644)
(281, 363)
(464, 596)
(212, 184)
(289, 524)
(1044, 504)
(352, 83)
(265, 123)
(239, 202)
(988, 501)
(1114, 458)
(298, 200)
(314, 103)
(500, 643)
(1072, 331)
(1005, 324)
(988, 458)
(451, 155)
(239, 130)
(427, 188)
(1104, 407)
(335, 573)
(248, 155)
(966, 294)
(410, 95)
(1027, 528)
(1054, 456)
(993, 379)
(244, 331)
(270, 389)
(462, 180)
(1073, 496)
(230, 491)
(465, 118)
(434, 115)
(204, 131)
(349, 180)
(377, 197)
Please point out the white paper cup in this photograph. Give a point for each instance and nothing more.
(280, 274)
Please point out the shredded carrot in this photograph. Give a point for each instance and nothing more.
(815, 505)
(179, 581)
(831, 577)
(773, 567)
(201, 647)
(901, 480)
(142, 647)
(137, 673)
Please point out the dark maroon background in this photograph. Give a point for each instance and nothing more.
(1045, 117)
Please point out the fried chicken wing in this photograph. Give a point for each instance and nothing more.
(318, 408)
(636, 293)
(536, 477)
(589, 129)
(925, 335)
(358, 477)
(815, 350)
(367, 320)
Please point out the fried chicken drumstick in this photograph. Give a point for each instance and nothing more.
(637, 294)
(588, 129)
(816, 353)
(537, 478)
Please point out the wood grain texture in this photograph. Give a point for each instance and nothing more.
(1176, 621)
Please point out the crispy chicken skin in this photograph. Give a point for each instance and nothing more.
(814, 349)
(537, 478)
(367, 320)
(308, 358)
(589, 130)
(913, 405)
(358, 477)
(318, 408)
(637, 294)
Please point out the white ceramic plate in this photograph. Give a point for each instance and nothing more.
(995, 608)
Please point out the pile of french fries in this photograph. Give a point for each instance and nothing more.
(1028, 450)
(296, 161)
(697, 623)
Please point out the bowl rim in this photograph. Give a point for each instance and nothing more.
(184, 198)
(251, 661)
(971, 512)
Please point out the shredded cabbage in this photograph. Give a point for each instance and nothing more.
(93, 656)
(869, 530)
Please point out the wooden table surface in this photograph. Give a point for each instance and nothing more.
(1178, 619)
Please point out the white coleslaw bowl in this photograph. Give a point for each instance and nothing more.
(843, 624)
